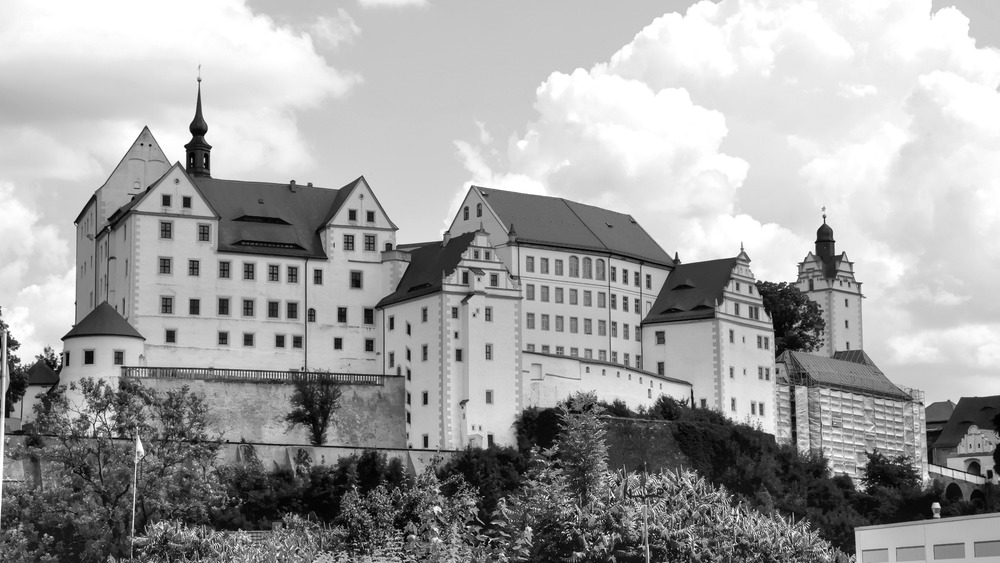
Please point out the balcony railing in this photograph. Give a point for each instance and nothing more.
(251, 375)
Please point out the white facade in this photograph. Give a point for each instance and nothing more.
(961, 538)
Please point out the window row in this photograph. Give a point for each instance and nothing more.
(352, 215)
(370, 243)
(591, 269)
(588, 353)
(280, 340)
(753, 311)
(166, 200)
(203, 232)
(90, 358)
(559, 295)
(166, 267)
(627, 331)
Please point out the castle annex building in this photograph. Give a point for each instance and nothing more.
(525, 300)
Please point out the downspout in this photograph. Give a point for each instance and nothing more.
(305, 318)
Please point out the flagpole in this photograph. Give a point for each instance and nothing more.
(135, 475)
(4, 384)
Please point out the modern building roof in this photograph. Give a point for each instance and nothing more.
(857, 377)
(428, 266)
(103, 321)
(969, 410)
(692, 291)
(41, 374)
(558, 222)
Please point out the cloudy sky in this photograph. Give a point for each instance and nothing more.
(714, 124)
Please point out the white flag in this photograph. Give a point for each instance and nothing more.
(139, 451)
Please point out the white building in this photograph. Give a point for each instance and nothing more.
(958, 539)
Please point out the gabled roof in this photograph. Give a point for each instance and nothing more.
(428, 265)
(969, 410)
(41, 374)
(103, 321)
(939, 412)
(691, 291)
(554, 221)
(814, 370)
(856, 356)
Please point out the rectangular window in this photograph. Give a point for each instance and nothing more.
(489, 314)
(165, 266)
(249, 270)
(423, 353)
(732, 404)
(573, 297)
(559, 267)
(587, 298)
(661, 337)
(465, 278)
(529, 263)
(736, 309)
(559, 295)
(165, 200)
(426, 442)
(660, 368)
(296, 342)
(279, 340)
(167, 305)
(760, 373)
(614, 329)
(732, 336)
(543, 266)
(588, 326)
(369, 243)
(588, 353)
(760, 409)
(614, 274)
(574, 325)
(369, 316)
(732, 372)
(601, 300)
(273, 272)
(408, 329)
(370, 216)
(369, 345)
(545, 322)
(602, 328)
(753, 407)
(317, 277)
(356, 280)
(352, 214)
(614, 302)
(458, 354)
(574, 352)
(760, 341)
(204, 233)
(291, 310)
(559, 323)
(194, 268)
(292, 274)
(273, 309)
(166, 230)
(545, 294)
(170, 337)
(341, 314)
(767, 374)
(392, 323)
(248, 307)
(338, 343)
(529, 292)
(248, 339)
(636, 280)
(530, 321)
(223, 306)
(186, 202)
(194, 306)
(625, 333)
(88, 357)
(392, 359)
(489, 396)
(454, 312)
(119, 358)
(489, 351)
(494, 280)
(348, 242)
(423, 315)
(649, 281)
(223, 338)
(980, 549)
(545, 348)
(614, 357)
(224, 269)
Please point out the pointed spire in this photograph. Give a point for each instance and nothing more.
(511, 235)
(198, 149)
(677, 259)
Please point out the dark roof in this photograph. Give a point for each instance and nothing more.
(855, 356)
(691, 291)
(103, 321)
(813, 370)
(42, 374)
(969, 410)
(554, 221)
(939, 412)
(428, 265)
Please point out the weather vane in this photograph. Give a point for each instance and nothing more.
(824, 207)
(199, 80)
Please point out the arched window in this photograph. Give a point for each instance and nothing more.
(574, 267)
(479, 210)
(465, 213)
(388, 246)
(311, 315)
(588, 271)
(600, 269)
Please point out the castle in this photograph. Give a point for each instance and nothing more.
(525, 300)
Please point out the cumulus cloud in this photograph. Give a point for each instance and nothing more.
(333, 31)
(738, 120)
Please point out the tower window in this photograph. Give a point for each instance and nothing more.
(88, 357)
(119, 357)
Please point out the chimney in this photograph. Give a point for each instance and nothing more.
(446, 239)
(291, 186)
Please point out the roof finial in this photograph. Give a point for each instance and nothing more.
(199, 73)
(741, 246)
(824, 214)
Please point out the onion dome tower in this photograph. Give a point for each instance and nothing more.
(198, 150)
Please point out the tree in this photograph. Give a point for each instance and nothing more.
(996, 451)
(892, 473)
(314, 401)
(50, 358)
(18, 376)
(87, 447)
(798, 321)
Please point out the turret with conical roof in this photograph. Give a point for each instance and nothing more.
(198, 150)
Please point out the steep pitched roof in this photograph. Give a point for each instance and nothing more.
(554, 221)
(813, 370)
(969, 410)
(41, 374)
(939, 412)
(103, 321)
(856, 356)
(428, 264)
(691, 291)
